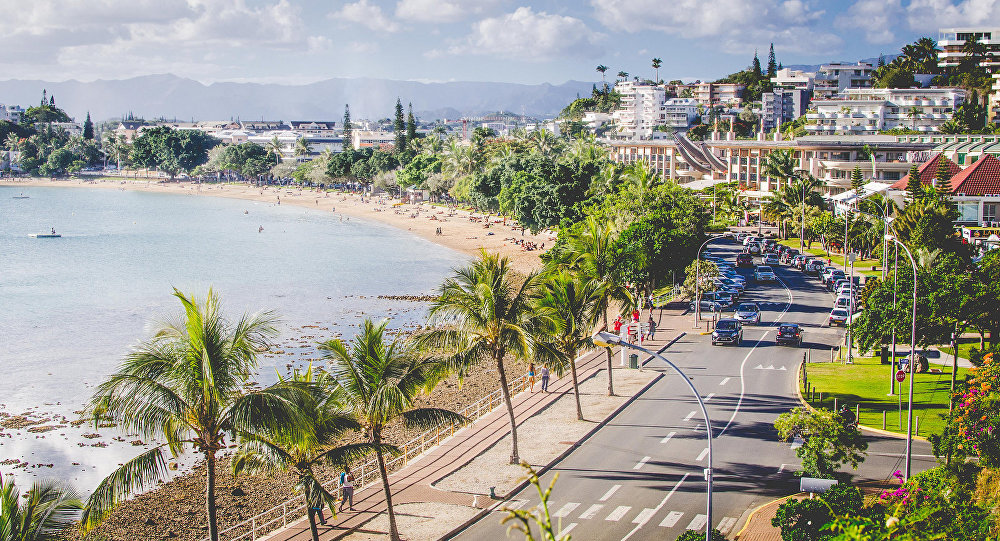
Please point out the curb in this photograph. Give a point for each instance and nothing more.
(523, 484)
(879, 431)
(756, 510)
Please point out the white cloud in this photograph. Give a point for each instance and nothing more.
(529, 35)
(735, 26)
(367, 15)
(930, 15)
(876, 18)
(436, 11)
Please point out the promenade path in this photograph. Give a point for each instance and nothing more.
(414, 482)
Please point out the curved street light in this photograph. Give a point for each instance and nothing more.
(913, 351)
(697, 280)
(606, 339)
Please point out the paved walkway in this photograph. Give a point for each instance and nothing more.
(413, 483)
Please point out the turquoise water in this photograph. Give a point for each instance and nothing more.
(71, 307)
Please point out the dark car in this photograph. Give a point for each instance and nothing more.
(789, 333)
(744, 260)
(727, 331)
(833, 277)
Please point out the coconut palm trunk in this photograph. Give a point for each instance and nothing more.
(210, 508)
(611, 383)
(377, 440)
(515, 457)
(576, 387)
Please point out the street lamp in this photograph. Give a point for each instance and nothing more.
(913, 351)
(697, 280)
(606, 340)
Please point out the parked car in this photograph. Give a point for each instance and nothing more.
(748, 312)
(763, 273)
(832, 278)
(744, 260)
(838, 316)
(844, 302)
(729, 331)
(740, 237)
(725, 298)
(729, 282)
(824, 273)
(789, 333)
(771, 259)
(707, 304)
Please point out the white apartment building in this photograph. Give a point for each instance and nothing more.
(995, 99)
(798, 79)
(11, 113)
(645, 107)
(833, 79)
(369, 138)
(709, 94)
(859, 111)
(952, 40)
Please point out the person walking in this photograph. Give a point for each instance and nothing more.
(347, 489)
(650, 327)
(545, 378)
(531, 376)
(317, 508)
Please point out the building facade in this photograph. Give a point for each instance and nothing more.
(858, 111)
(710, 94)
(783, 105)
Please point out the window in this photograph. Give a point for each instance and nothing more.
(961, 158)
(990, 212)
(968, 211)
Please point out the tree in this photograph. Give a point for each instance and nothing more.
(623, 75)
(601, 68)
(274, 146)
(487, 316)
(399, 128)
(656, 66)
(248, 159)
(857, 181)
(411, 125)
(378, 381)
(804, 520)
(896, 77)
(772, 63)
(347, 135)
(780, 165)
(301, 147)
(88, 128)
(570, 309)
(913, 113)
(914, 187)
(695, 535)
(829, 442)
(942, 177)
(188, 386)
(172, 151)
(47, 510)
(755, 67)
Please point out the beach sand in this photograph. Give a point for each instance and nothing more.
(459, 230)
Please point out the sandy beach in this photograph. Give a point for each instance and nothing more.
(460, 230)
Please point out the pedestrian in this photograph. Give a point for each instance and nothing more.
(618, 325)
(347, 489)
(531, 376)
(651, 301)
(651, 326)
(317, 508)
(635, 314)
(545, 378)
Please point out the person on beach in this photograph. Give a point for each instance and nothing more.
(347, 489)
(545, 378)
(531, 376)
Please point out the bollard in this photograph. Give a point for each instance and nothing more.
(857, 413)
(820, 398)
(916, 429)
(493, 493)
(831, 355)
(835, 404)
(883, 419)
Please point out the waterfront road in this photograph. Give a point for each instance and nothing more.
(642, 475)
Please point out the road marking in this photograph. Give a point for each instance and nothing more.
(644, 516)
(618, 513)
(709, 397)
(592, 511)
(782, 468)
(566, 509)
(660, 506)
(783, 368)
(690, 415)
(726, 524)
(610, 491)
(567, 529)
(725, 381)
(702, 455)
(698, 522)
(759, 367)
(641, 463)
(665, 440)
(516, 504)
(671, 519)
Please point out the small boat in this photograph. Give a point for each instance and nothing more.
(45, 235)
(22, 197)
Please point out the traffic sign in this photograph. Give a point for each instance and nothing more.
(900, 376)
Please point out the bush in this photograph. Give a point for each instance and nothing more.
(694, 535)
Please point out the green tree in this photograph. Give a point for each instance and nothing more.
(601, 68)
(187, 385)
(486, 315)
(914, 187)
(656, 66)
(942, 177)
(857, 180)
(248, 159)
(411, 125)
(695, 535)
(348, 129)
(88, 128)
(522, 519)
(772, 63)
(301, 147)
(399, 128)
(913, 113)
(45, 512)
(58, 162)
(804, 520)
(378, 381)
(829, 443)
(171, 151)
(896, 76)
(755, 67)
(780, 165)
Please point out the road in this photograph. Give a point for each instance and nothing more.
(642, 475)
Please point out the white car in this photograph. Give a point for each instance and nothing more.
(747, 313)
(764, 274)
(771, 259)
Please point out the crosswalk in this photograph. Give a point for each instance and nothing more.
(567, 511)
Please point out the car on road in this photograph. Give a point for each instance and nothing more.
(729, 282)
(832, 278)
(844, 302)
(753, 248)
(708, 304)
(789, 333)
(763, 273)
(813, 267)
(789, 254)
(771, 259)
(838, 316)
(798, 261)
(747, 313)
(744, 260)
(727, 331)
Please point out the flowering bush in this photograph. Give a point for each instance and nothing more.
(976, 419)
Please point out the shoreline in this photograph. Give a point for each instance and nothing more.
(461, 230)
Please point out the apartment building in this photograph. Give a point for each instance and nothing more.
(833, 79)
(951, 41)
(798, 79)
(369, 138)
(783, 105)
(995, 99)
(709, 94)
(975, 190)
(11, 113)
(644, 107)
(858, 111)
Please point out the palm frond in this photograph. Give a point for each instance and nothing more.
(431, 417)
(345, 454)
(132, 477)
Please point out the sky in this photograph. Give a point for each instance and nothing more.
(520, 41)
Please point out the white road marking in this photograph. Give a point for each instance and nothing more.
(726, 524)
(641, 463)
(592, 511)
(671, 519)
(516, 504)
(759, 366)
(702, 455)
(698, 522)
(783, 368)
(725, 381)
(566, 509)
(610, 491)
(690, 415)
(658, 507)
(618, 513)
(709, 397)
(782, 468)
(567, 529)
(644, 516)
(666, 438)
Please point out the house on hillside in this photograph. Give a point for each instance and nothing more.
(975, 189)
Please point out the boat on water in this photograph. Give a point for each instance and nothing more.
(22, 196)
(45, 235)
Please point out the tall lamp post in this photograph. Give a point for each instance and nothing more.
(697, 280)
(913, 351)
(606, 339)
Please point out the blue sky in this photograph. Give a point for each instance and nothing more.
(299, 41)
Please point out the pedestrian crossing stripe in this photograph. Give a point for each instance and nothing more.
(644, 516)
(726, 524)
(671, 519)
(516, 504)
(698, 522)
(592, 511)
(565, 510)
(618, 513)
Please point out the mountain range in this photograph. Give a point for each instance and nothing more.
(173, 97)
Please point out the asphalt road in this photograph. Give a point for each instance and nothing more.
(642, 475)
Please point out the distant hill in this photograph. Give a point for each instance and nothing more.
(170, 96)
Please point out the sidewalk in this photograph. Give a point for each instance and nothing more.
(413, 483)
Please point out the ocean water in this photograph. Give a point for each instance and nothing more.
(71, 307)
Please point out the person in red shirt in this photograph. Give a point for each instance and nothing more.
(635, 315)
(618, 325)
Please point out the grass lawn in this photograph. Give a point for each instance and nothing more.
(861, 266)
(866, 382)
(964, 345)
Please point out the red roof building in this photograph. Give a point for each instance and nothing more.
(980, 178)
(928, 171)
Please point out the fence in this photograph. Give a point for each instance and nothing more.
(292, 509)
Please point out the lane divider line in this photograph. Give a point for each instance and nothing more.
(668, 436)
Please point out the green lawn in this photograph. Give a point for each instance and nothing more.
(964, 345)
(866, 382)
(861, 266)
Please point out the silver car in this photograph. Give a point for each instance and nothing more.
(747, 313)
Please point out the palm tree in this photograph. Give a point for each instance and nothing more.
(301, 448)
(914, 113)
(623, 75)
(488, 316)
(602, 68)
(12, 141)
(780, 165)
(45, 511)
(274, 145)
(301, 147)
(187, 385)
(571, 308)
(545, 142)
(656, 66)
(378, 382)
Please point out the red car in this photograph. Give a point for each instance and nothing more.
(744, 260)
